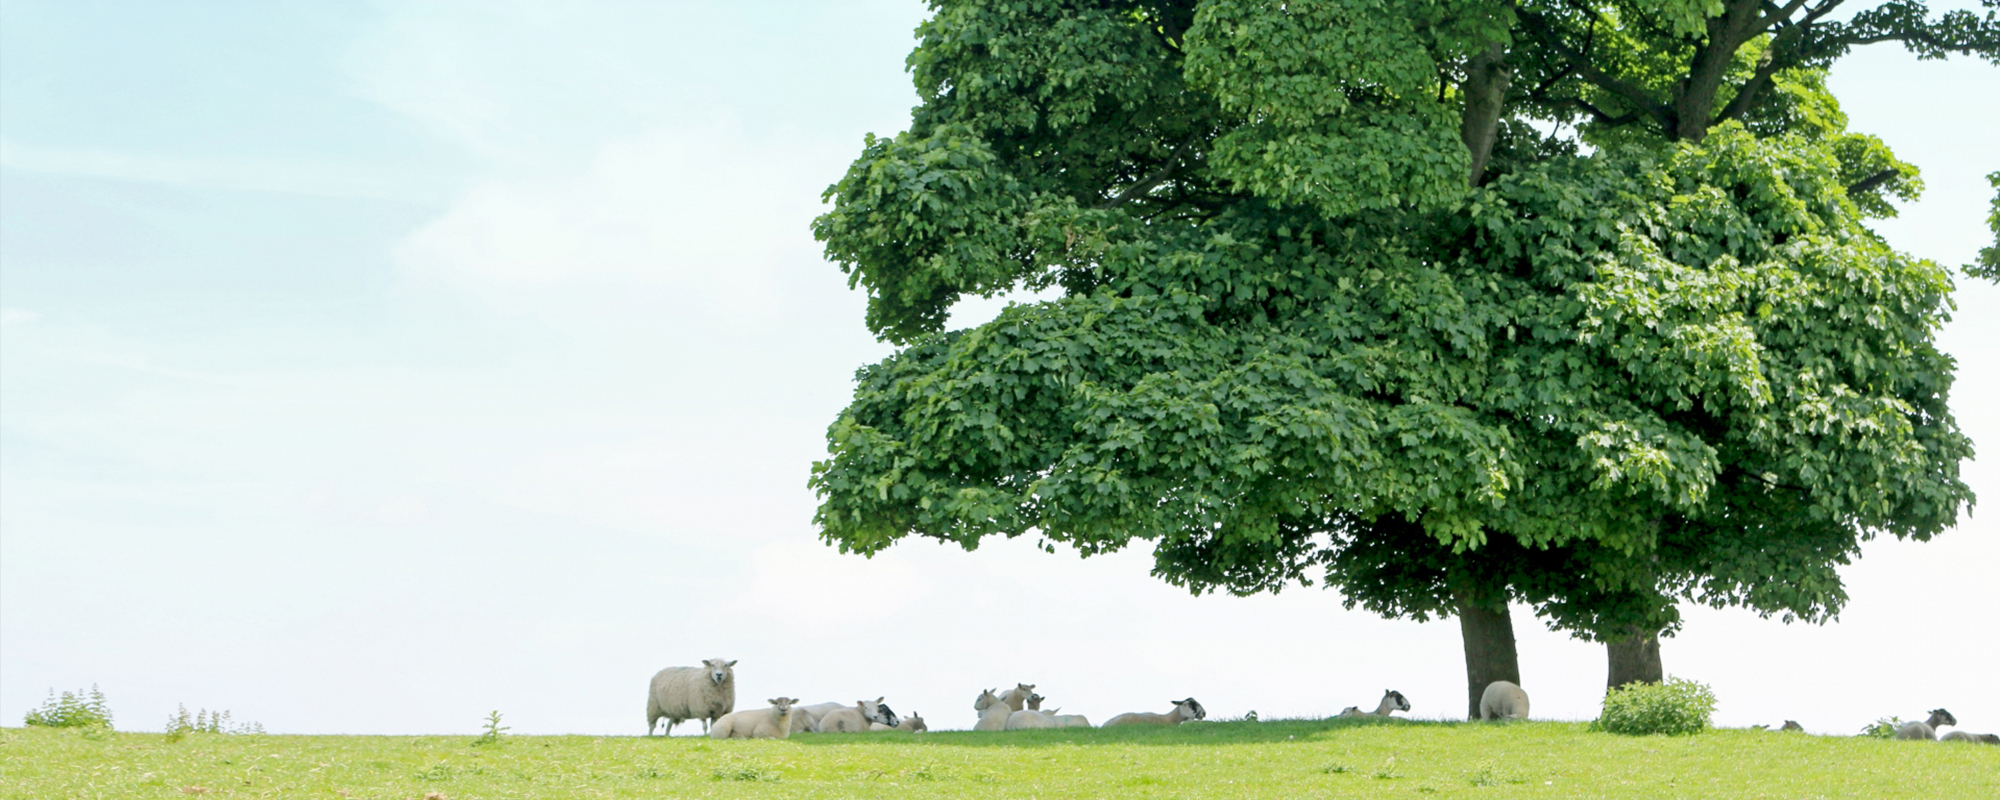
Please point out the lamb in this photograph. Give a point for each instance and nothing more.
(706, 693)
(763, 723)
(1033, 716)
(1017, 696)
(1503, 700)
(1928, 728)
(1962, 736)
(1184, 710)
(993, 712)
(1392, 700)
(855, 718)
(1792, 725)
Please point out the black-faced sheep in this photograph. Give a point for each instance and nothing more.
(1926, 729)
(706, 693)
(763, 723)
(1503, 700)
(1392, 700)
(1184, 710)
(855, 718)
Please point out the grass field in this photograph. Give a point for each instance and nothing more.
(1278, 759)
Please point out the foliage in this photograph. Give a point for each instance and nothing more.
(1884, 728)
(1655, 356)
(1673, 707)
(77, 709)
(494, 730)
(1275, 758)
(204, 721)
(1988, 264)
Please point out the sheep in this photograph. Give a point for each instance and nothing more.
(909, 724)
(1792, 725)
(1503, 700)
(993, 712)
(1928, 728)
(1962, 736)
(1017, 696)
(808, 716)
(1184, 710)
(1392, 700)
(855, 718)
(706, 693)
(1033, 716)
(763, 723)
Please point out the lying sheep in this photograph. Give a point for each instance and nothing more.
(1392, 700)
(993, 712)
(706, 693)
(1962, 736)
(1792, 725)
(1928, 728)
(1018, 696)
(808, 716)
(1184, 710)
(1503, 700)
(909, 724)
(763, 723)
(855, 718)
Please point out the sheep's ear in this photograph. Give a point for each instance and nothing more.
(732, 662)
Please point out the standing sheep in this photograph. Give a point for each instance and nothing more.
(1928, 728)
(763, 723)
(1503, 700)
(706, 693)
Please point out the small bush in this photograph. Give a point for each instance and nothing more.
(1674, 707)
(205, 721)
(72, 710)
(494, 730)
(1884, 728)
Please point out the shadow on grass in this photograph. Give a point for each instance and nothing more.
(1192, 733)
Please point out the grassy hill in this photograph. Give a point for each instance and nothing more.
(1279, 759)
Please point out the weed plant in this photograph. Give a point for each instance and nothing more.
(1675, 707)
(204, 721)
(72, 710)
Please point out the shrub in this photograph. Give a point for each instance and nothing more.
(1674, 707)
(72, 710)
(204, 721)
(494, 730)
(1884, 728)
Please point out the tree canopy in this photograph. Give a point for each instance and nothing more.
(1567, 303)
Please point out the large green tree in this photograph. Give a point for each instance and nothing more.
(1443, 303)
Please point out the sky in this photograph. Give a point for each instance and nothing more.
(365, 368)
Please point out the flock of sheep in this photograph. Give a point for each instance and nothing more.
(708, 693)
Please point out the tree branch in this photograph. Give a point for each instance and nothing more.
(1158, 176)
(1871, 182)
(1644, 103)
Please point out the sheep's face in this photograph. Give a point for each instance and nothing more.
(986, 700)
(916, 723)
(877, 711)
(719, 671)
(1940, 716)
(1194, 709)
(783, 705)
(1035, 701)
(1024, 690)
(1396, 699)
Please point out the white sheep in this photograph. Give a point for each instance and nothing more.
(763, 723)
(1184, 710)
(1962, 736)
(1017, 697)
(706, 693)
(854, 718)
(993, 712)
(1033, 716)
(909, 724)
(1392, 700)
(808, 716)
(1503, 700)
(1928, 728)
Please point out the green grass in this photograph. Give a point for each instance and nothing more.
(1278, 759)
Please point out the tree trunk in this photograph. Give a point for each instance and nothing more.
(1489, 649)
(1634, 659)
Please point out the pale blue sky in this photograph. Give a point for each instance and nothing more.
(368, 367)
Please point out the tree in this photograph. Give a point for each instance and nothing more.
(1444, 303)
